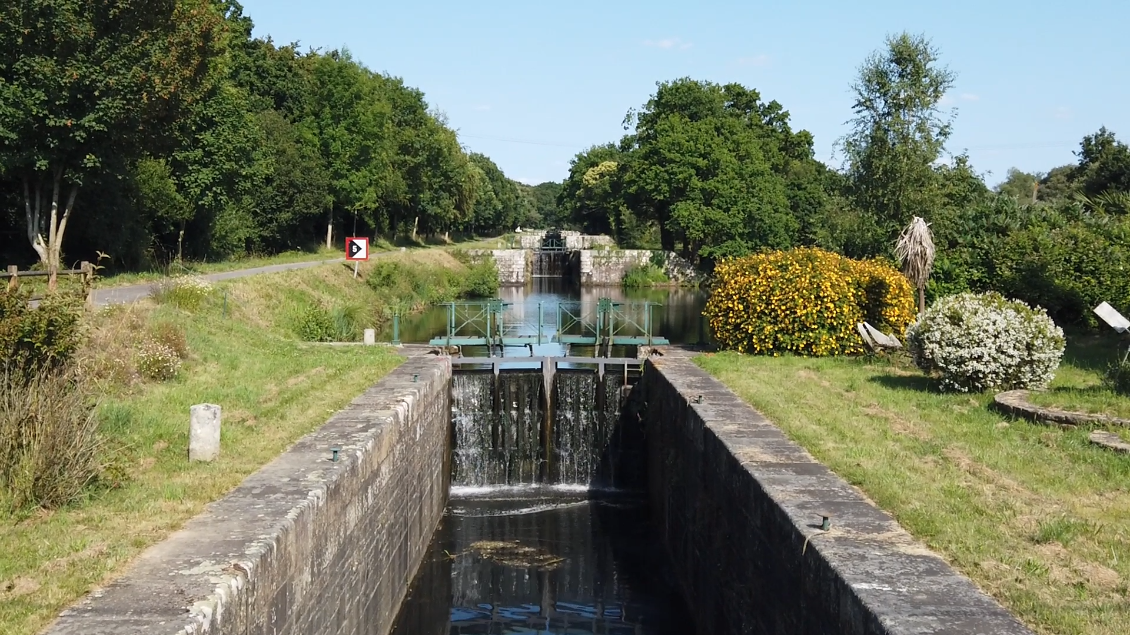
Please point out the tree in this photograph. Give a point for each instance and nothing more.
(898, 133)
(158, 197)
(915, 252)
(543, 198)
(1022, 186)
(1058, 184)
(86, 81)
(1104, 164)
(711, 165)
(585, 199)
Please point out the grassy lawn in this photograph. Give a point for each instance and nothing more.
(1035, 515)
(1078, 386)
(272, 389)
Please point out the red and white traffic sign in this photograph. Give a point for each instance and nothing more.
(356, 249)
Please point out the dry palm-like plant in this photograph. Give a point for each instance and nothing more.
(915, 251)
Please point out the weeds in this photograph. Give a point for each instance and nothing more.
(183, 292)
(39, 338)
(48, 441)
(157, 361)
(643, 276)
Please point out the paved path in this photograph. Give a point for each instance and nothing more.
(135, 292)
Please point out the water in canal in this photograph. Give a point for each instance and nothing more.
(547, 530)
(544, 562)
(678, 316)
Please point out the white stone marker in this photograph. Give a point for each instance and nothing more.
(370, 337)
(204, 432)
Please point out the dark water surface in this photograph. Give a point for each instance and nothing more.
(544, 560)
(679, 318)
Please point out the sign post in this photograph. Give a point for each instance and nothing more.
(356, 250)
(1115, 320)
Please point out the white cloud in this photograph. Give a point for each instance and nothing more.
(482, 107)
(668, 43)
(970, 97)
(756, 60)
(1063, 112)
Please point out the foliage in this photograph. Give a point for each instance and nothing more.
(413, 287)
(978, 342)
(346, 320)
(711, 169)
(1056, 255)
(645, 275)
(184, 292)
(1117, 377)
(806, 301)
(48, 441)
(915, 251)
(482, 278)
(38, 338)
(86, 86)
(157, 361)
(314, 323)
(170, 335)
(190, 137)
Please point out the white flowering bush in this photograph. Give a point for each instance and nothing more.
(977, 342)
(157, 361)
(185, 292)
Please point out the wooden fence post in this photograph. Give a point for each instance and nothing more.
(88, 282)
(13, 277)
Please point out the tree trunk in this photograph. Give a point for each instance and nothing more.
(180, 243)
(921, 299)
(49, 250)
(666, 238)
(330, 234)
(415, 226)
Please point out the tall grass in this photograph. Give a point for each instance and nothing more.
(644, 276)
(49, 445)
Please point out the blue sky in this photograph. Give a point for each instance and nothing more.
(531, 84)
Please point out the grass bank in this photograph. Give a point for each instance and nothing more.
(1035, 515)
(241, 349)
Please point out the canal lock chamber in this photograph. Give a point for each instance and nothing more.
(547, 527)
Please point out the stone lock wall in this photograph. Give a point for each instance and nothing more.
(739, 506)
(305, 546)
(513, 266)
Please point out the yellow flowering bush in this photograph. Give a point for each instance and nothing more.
(806, 301)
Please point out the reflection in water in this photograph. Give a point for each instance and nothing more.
(679, 319)
(544, 563)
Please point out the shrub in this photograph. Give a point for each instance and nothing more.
(482, 279)
(172, 336)
(157, 361)
(1117, 377)
(183, 292)
(38, 338)
(48, 439)
(978, 342)
(643, 276)
(806, 301)
(346, 323)
(314, 324)
(421, 285)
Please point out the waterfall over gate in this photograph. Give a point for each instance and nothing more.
(550, 264)
(508, 430)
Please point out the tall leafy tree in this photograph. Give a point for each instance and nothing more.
(1022, 186)
(898, 133)
(83, 82)
(1104, 164)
